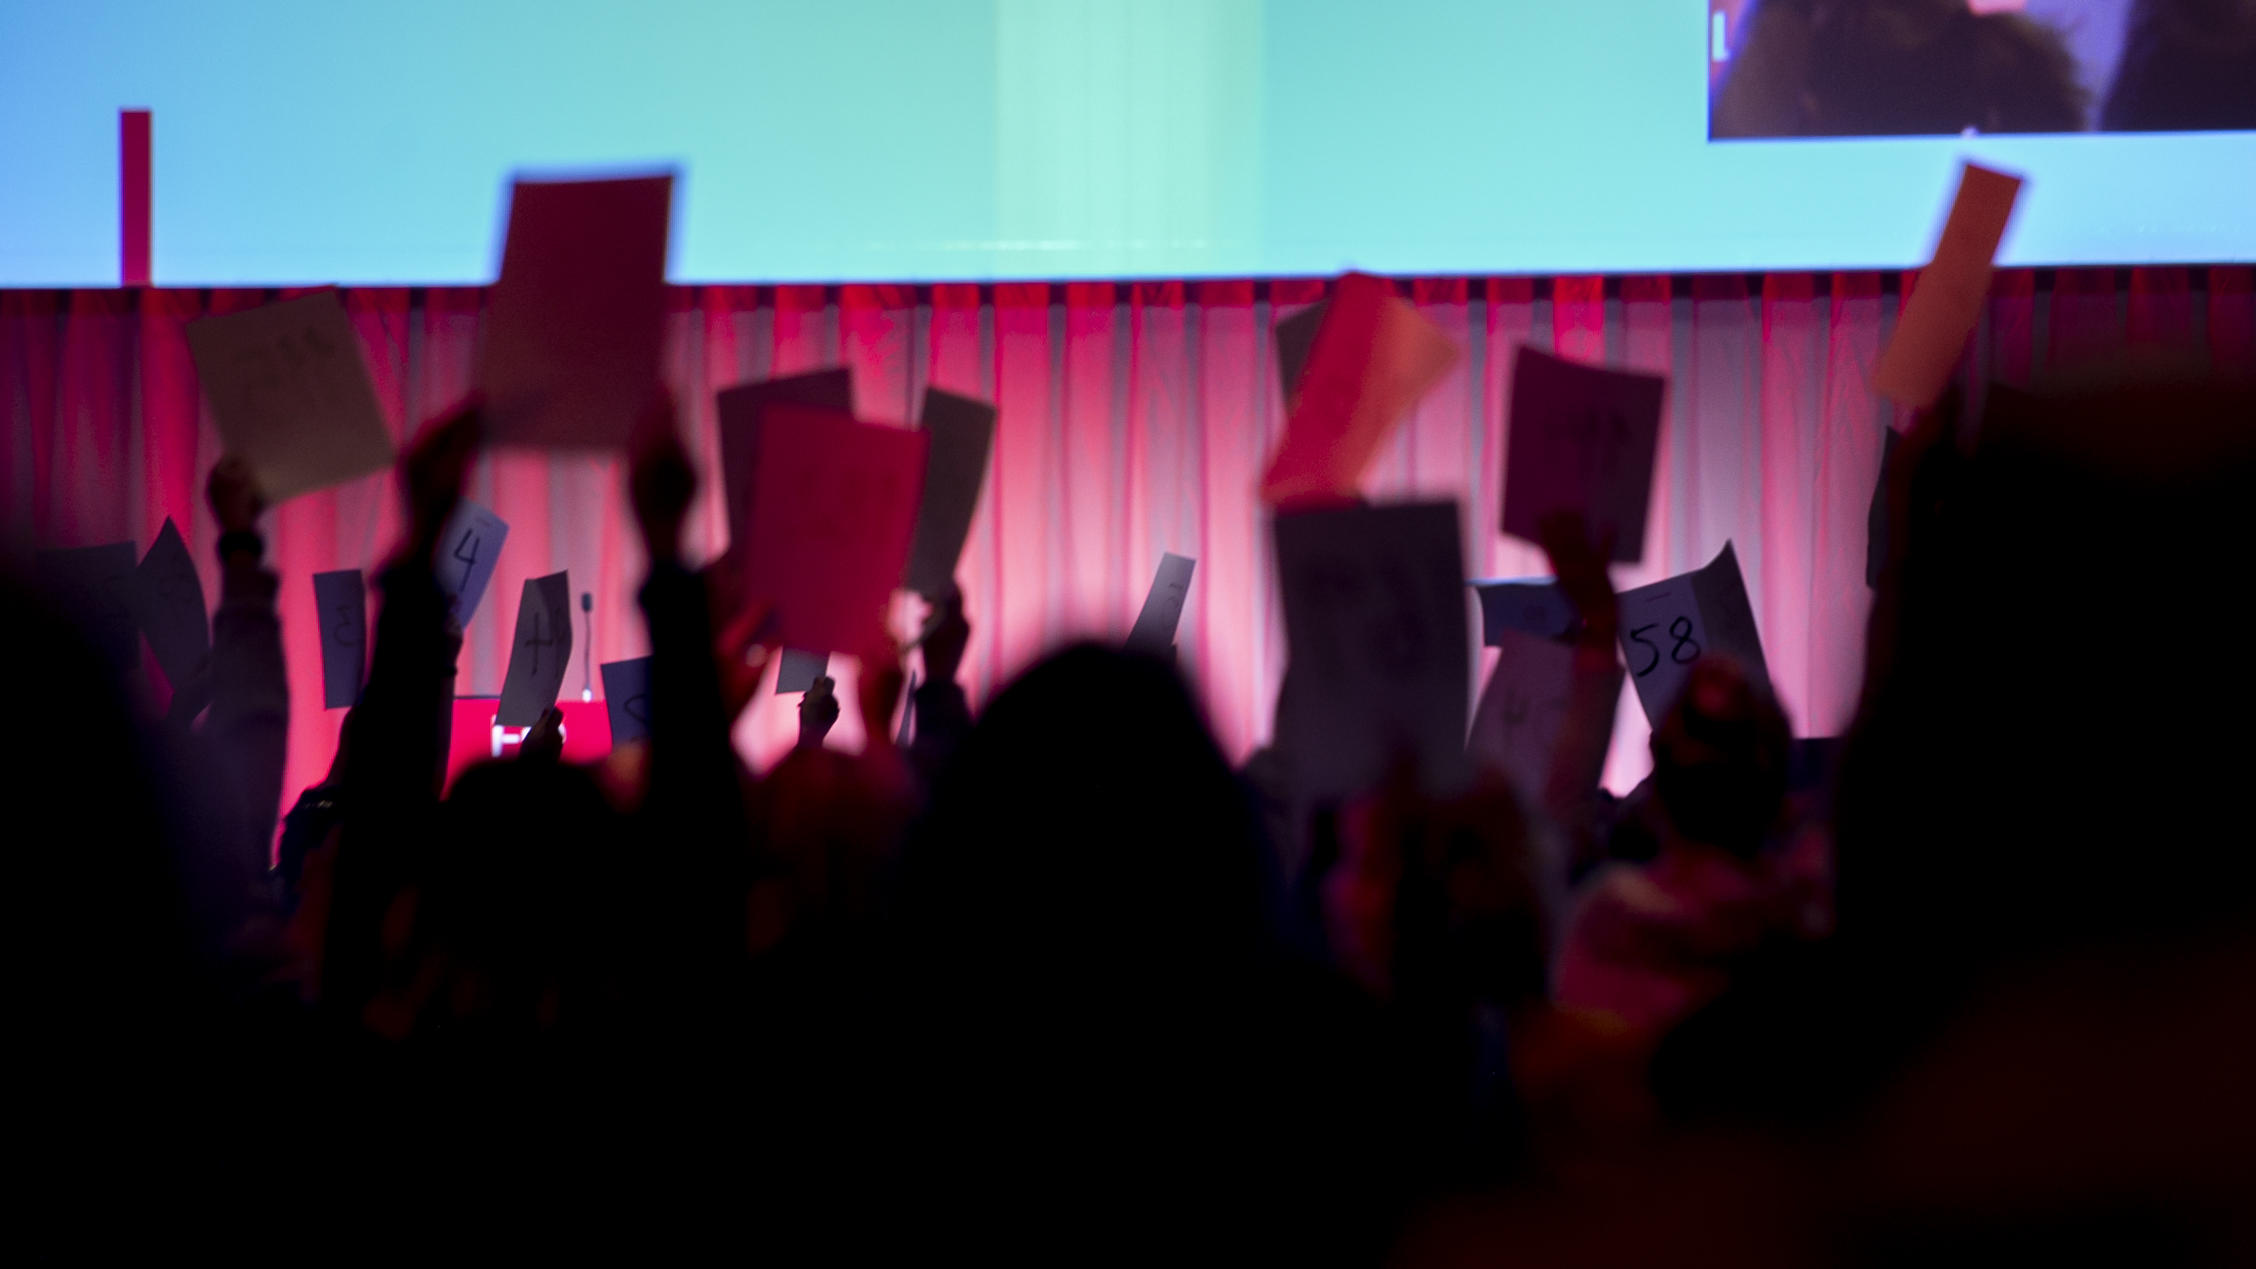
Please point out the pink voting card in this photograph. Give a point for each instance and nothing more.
(576, 324)
(833, 506)
(1374, 357)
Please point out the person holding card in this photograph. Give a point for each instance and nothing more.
(695, 798)
(390, 776)
(1650, 942)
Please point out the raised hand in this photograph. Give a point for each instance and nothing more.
(818, 709)
(233, 496)
(1918, 482)
(946, 634)
(661, 481)
(1579, 563)
(435, 468)
(882, 681)
(544, 740)
(740, 655)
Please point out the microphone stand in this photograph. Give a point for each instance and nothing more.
(587, 648)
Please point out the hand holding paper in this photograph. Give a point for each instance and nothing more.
(800, 670)
(1522, 709)
(539, 652)
(626, 697)
(1669, 625)
(340, 600)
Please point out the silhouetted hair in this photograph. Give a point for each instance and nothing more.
(2187, 65)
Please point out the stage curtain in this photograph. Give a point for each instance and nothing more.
(1134, 420)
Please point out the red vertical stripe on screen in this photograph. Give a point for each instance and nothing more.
(133, 197)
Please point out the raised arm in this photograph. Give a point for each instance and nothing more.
(1578, 755)
(248, 730)
(943, 714)
(695, 800)
(393, 769)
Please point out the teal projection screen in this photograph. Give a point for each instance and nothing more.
(916, 140)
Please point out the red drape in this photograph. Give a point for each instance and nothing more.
(1134, 420)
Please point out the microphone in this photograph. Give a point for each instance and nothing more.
(587, 648)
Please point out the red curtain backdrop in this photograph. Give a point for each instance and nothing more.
(1135, 418)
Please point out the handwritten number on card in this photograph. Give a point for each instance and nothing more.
(348, 631)
(467, 551)
(1653, 660)
(1684, 651)
(638, 709)
(540, 637)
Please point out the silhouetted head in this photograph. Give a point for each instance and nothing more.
(1719, 757)
(828, 824)
(523, 900)
(2054, 750)
(1089, 826)
(1439, 899)
(96, 865)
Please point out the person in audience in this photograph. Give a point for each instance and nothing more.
(1649, 942)
(1057, 981)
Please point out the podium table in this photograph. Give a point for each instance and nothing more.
(476, 738)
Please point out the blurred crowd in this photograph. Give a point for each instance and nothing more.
(1052, 979)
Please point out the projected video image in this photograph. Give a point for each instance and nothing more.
(1902, 68)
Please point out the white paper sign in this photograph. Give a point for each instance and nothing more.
(800, 669)
(1154, 631)
(626, 697)
(1530, 605)
(1669, 625)
(468, 552)
(341, 601)
(291, 394)
(1583, 439)
(1375, 612)
(539, 653)
(1520, 711)
(167, 599)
